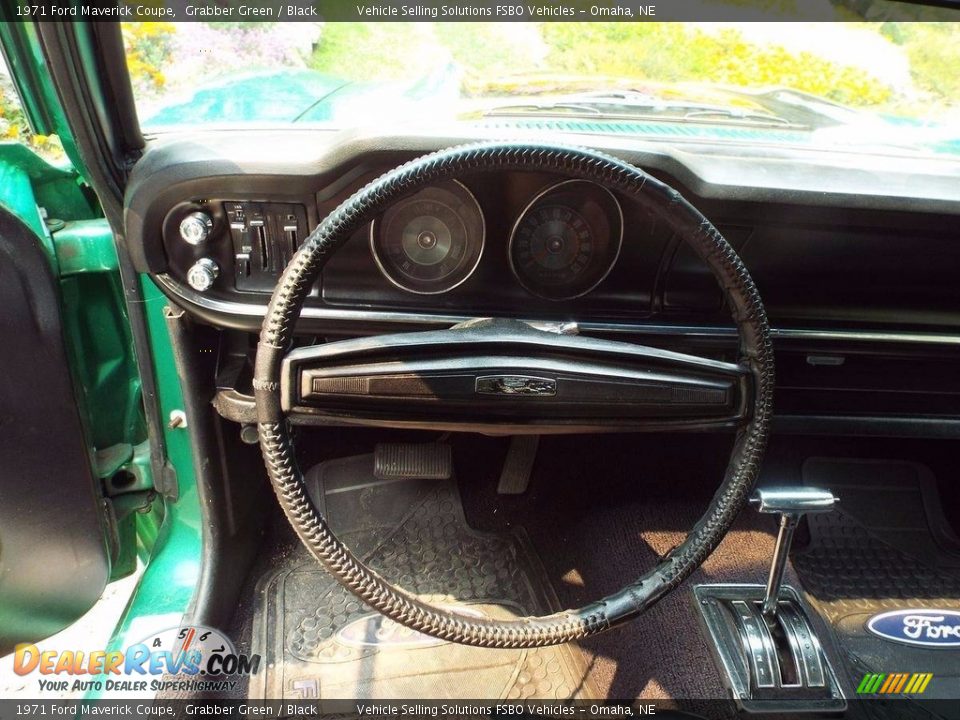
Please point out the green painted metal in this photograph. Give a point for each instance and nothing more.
(167, 537)
(16, 195)
(98, 339)
(98, 333)
(57, 187)
(30, 182)
(38, 169)
(173, 561)
(85, 246)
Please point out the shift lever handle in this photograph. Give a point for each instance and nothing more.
(791, 503)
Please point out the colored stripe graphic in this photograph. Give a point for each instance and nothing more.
(870, 683)
(894, 683)
(902, 680)
(887, 683)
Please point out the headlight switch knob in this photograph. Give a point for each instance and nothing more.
(202, 274)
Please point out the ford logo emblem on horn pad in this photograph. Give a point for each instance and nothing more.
(930, 628)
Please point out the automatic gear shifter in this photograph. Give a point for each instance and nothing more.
(762, 637)
(790, 504)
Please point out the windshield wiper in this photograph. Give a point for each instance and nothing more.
(323, 98)
(632, 105)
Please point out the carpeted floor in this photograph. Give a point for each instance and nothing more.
(663, 654)
(600, 511)
(594, 534)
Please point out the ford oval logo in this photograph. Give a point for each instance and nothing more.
(923, 627)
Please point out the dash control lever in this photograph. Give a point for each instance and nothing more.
(791, 503)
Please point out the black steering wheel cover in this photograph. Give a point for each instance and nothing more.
(756, 353)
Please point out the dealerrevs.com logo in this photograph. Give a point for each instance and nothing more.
(182, 658)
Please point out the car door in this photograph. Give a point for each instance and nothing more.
(74, 461)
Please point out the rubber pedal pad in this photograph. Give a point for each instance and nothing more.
(412, 461)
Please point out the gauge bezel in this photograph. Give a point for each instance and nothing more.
(419, 291)
(545, 192)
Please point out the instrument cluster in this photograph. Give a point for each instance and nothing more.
(431, 242)
(562, 245)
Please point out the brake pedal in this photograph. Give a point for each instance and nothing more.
(412, 461)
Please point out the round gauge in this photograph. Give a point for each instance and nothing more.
(430, 242)
(567, 240)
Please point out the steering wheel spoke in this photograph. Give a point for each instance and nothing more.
(505, 376)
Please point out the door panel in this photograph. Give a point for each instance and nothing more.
(54, 562)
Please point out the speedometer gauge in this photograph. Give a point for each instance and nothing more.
(430, 242)
(567, 240)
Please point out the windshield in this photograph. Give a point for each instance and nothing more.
(873, 85)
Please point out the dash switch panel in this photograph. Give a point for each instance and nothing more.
(265, 236)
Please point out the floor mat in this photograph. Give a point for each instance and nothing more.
(895, 500)
(318, 641)
(886, 548)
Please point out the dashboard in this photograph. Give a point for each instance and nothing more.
(487, 243)
(859, 282)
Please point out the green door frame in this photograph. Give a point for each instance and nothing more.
(163, 526)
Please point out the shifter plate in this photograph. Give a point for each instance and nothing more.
(769, 667)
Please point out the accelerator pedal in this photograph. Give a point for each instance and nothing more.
(517, 468)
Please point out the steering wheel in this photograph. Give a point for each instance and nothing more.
(272, 374)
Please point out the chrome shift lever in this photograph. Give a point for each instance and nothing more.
(762, 637)
(791, 503)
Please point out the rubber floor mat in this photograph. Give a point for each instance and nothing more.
(886, 548)
(318, 641)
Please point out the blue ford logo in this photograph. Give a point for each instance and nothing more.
(926, 628)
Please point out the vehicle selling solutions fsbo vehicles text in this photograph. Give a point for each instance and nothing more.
(510, 11)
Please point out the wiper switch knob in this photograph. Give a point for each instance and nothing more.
(196, 227)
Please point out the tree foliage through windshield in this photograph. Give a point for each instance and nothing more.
(897, 68)
(348, 74)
